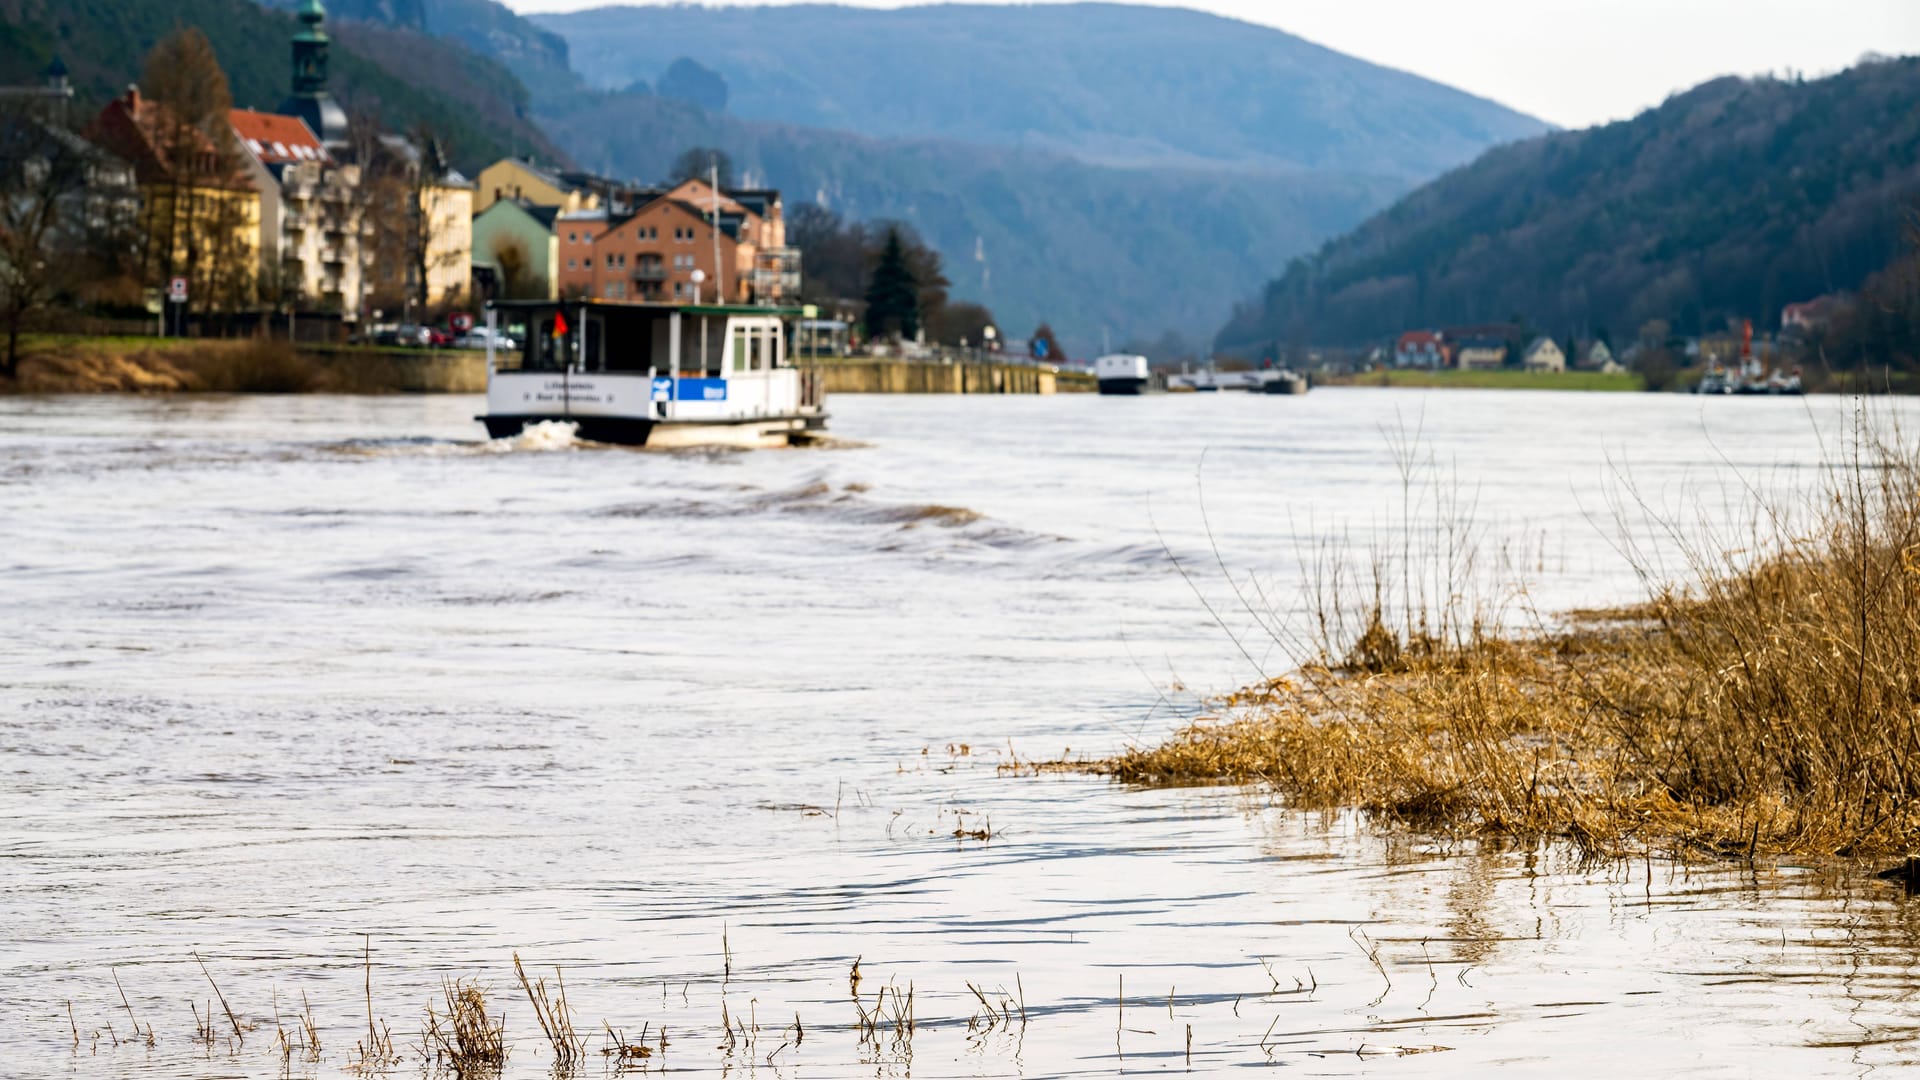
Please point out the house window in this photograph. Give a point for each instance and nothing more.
(573, 238)
(616, 290)
(573, 264)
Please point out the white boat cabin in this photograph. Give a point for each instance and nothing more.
(638, 373)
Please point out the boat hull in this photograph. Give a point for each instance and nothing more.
(760, 433)
(1124, 386)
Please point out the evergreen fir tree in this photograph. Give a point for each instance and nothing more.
(893, 296)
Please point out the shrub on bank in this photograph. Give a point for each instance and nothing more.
(1770, 705)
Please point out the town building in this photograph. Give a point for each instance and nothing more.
(1808, 317)
(520, 178)
(1596, 355)
(312, 219)
(515, 251)
(1421, 349)
(1544, 354)
(422, 214)
(735, 239)
(1480, 353)
(199, 211)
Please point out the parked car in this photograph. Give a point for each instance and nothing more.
(437, 337)
(407, 336)
(478, 337)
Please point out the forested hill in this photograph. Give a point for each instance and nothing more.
(1730, 200)
(1034, 236)
(408, 78)
(1116, 84)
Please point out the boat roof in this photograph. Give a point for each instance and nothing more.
(633, 305)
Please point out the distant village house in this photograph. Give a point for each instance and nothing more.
(1421, 349)
(1544, 354)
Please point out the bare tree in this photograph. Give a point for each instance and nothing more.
(197, 230)
(510, 259)
(63, 204)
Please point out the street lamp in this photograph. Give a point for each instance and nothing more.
(700, 276)
(989, 334)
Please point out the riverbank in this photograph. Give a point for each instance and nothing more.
(75, 364)
(1763, 706)
(79, 364)
(862, 375)
(1449, 378)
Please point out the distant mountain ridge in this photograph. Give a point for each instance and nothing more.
(1034, 235)
(1727, 202)
(1116, 84)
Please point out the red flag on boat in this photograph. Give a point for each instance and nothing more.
(559, 324)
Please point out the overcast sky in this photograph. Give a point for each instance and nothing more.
(1572, 62)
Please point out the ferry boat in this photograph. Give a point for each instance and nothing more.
(1122, 375)
(646, 374)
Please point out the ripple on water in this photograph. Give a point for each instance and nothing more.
(703, 729)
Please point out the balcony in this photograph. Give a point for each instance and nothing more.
(649, 273)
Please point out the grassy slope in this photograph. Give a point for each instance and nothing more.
(1490, 380)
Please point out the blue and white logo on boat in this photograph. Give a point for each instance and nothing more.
(703, 389)
(663, 388)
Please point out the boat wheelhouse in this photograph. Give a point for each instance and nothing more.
(649, 374)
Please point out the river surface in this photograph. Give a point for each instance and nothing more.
(345, 701)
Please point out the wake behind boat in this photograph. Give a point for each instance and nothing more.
(649, 374)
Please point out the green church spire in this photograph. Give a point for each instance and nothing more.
(310, 50)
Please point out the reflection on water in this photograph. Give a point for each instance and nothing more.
(287, 676)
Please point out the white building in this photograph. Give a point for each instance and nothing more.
(312, 219)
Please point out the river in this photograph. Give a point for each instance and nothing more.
(345, 701)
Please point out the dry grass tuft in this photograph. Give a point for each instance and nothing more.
(555, 1018)
(1770, 704)
(467, 1040)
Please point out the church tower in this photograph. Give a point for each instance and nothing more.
(310, 100)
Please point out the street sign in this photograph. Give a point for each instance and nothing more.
(177, 290)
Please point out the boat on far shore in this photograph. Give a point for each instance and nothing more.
(1262, 381)
(1123, 375)
(1751, 378)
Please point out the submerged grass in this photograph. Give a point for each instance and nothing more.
(1769, 702)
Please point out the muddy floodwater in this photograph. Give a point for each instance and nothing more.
(346, 701)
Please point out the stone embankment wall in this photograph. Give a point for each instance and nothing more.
(907, 377)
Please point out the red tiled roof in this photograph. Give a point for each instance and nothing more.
(142, 131)
(276, 140)
(1419, 337)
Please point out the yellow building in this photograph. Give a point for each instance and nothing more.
(199, 214)
(447, 205)
(515, 178)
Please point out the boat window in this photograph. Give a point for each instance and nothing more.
(742, 348)
(545, 351)
(595, 358)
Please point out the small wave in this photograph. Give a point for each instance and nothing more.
(930, 514)
(544, 436)
(416, 444)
